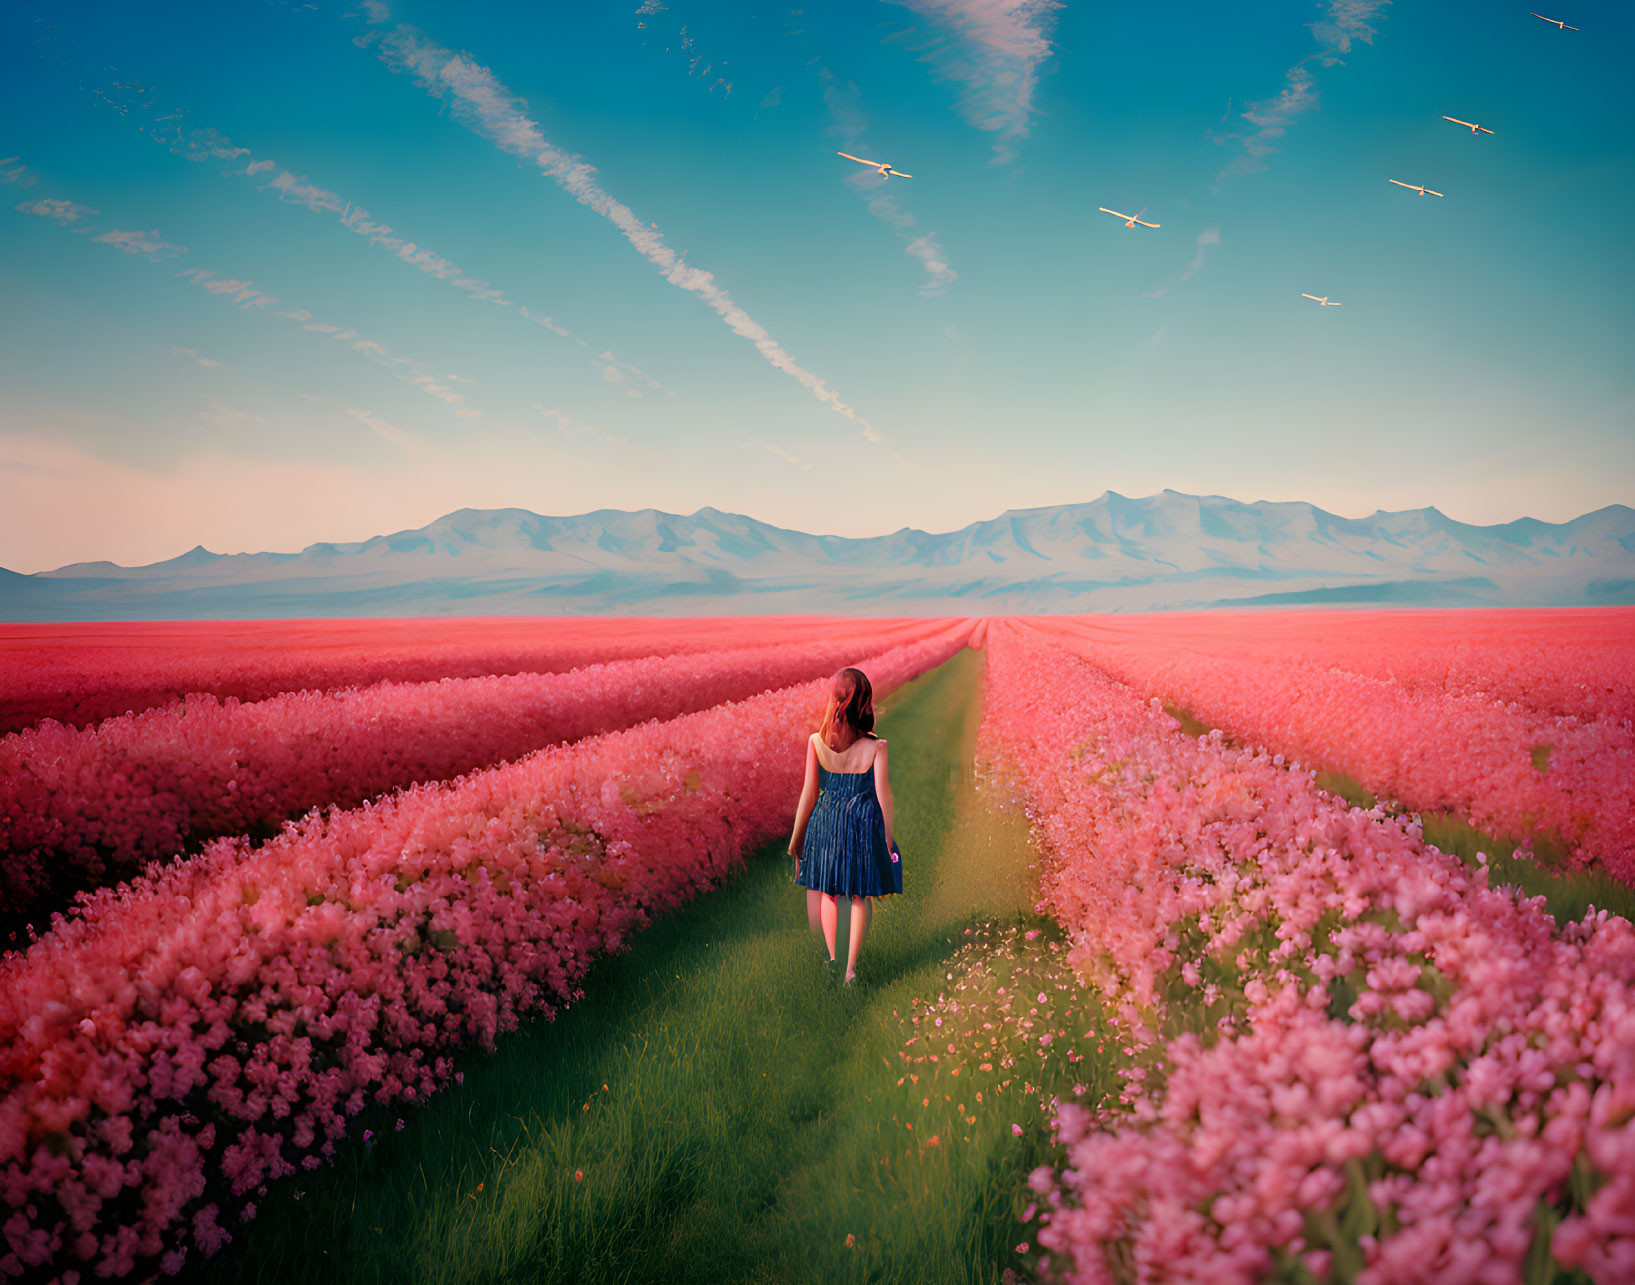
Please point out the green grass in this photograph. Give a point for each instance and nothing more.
(719, 1108)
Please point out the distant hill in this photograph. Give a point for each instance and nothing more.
(1113, 553)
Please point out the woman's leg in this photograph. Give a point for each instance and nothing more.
(814, 913)
(829, 915)
(862, 915)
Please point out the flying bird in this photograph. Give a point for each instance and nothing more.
(885, 170)
(1554, 22)
(1416, 187)
(1130, 220)
(1323, 301)
(1470, 125)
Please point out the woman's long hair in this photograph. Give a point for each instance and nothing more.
(851, 706)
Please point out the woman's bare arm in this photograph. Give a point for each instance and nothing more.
(882, 787)
(808, 799)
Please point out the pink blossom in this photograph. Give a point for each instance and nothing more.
(1447, 1075)
(389, 936)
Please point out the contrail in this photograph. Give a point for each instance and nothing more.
(485, 106)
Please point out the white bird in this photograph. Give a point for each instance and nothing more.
(1416, 187)
(1554, 22)
(1130, 220)
(885, 170)
(1323, 301)
(1469, 124)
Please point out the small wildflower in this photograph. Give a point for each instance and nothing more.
(579, 1175)
(850, 1240)
(1016, 1130)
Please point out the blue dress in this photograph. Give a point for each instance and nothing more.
(845, 853)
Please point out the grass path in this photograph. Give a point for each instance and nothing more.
(719, 1108)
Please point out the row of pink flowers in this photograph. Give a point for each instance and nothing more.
(1568, 661)
(1576, 662)
(1352, 1056)
(80, 807)
(80, 674)
(183, 1040)
(1510, 770)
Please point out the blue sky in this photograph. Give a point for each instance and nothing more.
(280, 272)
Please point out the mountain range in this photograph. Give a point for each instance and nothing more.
(1113, 553)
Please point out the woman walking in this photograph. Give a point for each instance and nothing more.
(842, 843)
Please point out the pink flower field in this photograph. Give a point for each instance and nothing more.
(314, 864)
(80, 674)
(191, 1035)
(1353, 1059)
(79, 805)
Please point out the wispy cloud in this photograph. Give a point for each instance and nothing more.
(409, 369)
(206, 144)
(381, 428)
(225, 415)
(1347, 20)
(63, 212)
(847, 120)
(246, 296)
(542, 321)
(615, 371)
(788, 457)
(242, 292)
(993, 49)
(568, 424)
(148, 244)
(194, 355)
(940, 274)
(699, 64)
(844, 104)
(484, 105)
(428, 384)
(1206, 238)
(889, 209)
(13, 172)
(1344, 23)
